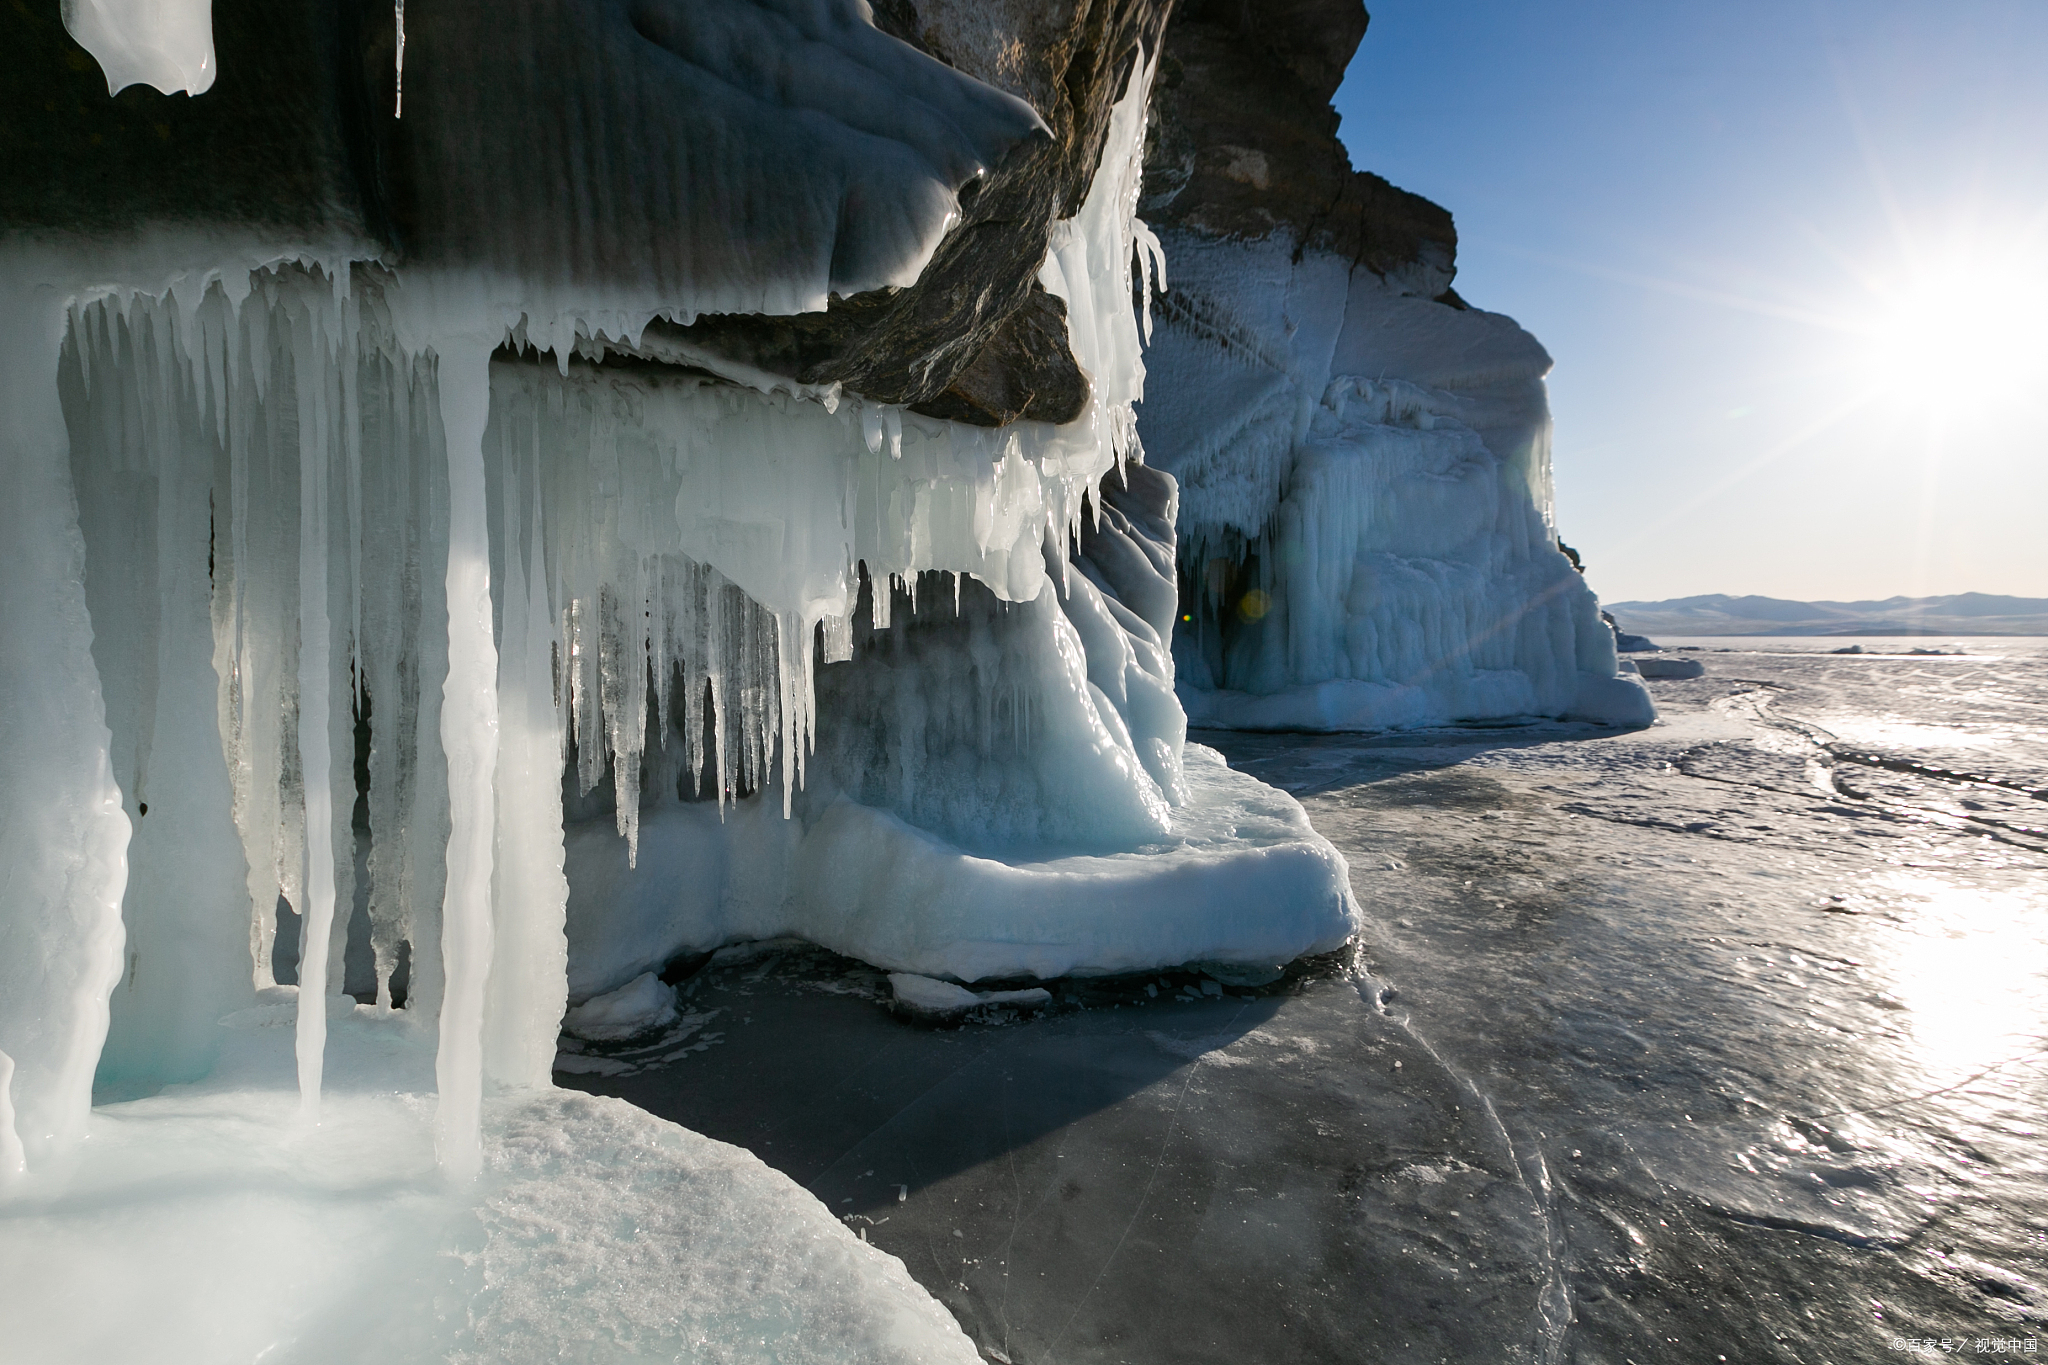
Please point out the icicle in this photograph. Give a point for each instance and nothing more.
(881, 593)
(63, 833)
(528, 987)
(310, 348)
(398, 61)
(469, 735)
(13, 1159)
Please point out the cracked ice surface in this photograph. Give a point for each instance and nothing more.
(1725, 1033)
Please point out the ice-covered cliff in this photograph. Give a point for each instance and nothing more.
(504, 496)
(1367, 536)
(670, 477)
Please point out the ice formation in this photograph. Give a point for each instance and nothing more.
(645, 1002)
(1366, 518)
(545, 647)
(206, 1224)
(164, 43)
(683, 157)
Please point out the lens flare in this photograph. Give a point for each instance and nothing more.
(1965, 328)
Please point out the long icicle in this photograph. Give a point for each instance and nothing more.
(315, 756)
(469, 735)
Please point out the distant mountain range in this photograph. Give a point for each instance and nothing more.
(1963, 613)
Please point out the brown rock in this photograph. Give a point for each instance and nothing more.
(1244, 141)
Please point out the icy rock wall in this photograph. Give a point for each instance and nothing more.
(1367, 531)
(706, 543)
(1012, 725)
(1364, 461)
(479, 572)
(1365, 503)
(869, 140)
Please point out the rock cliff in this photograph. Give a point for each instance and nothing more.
(1365, 519)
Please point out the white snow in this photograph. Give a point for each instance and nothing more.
(641, 1004)
(211, 1223)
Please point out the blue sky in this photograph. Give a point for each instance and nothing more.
(1791, 260)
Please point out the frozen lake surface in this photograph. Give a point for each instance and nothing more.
(1722, 1040)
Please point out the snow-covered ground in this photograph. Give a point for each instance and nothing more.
(211, 1223)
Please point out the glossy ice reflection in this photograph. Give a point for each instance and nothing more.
(1970, 976)
(1715, 1041)
(1765, 987)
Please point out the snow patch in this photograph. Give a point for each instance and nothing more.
(641, 1005)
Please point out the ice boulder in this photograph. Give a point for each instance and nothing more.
(926, 998)
(641, 1005)
(1670, 668)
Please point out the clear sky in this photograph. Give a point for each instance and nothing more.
(1791, 260)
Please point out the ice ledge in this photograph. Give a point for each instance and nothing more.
(1243, 879)
(1350, 704)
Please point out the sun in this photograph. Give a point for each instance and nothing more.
(1960, 327)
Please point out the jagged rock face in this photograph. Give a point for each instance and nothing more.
(606, 142)
(976, 339)
(1244, 142)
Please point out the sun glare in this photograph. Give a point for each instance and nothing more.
(1964, 329)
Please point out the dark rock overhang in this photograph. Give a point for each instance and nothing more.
(299, 139)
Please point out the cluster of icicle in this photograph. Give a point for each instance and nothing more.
(317, 441)
(1089, 265)
(1401, 550)
(489, 563)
